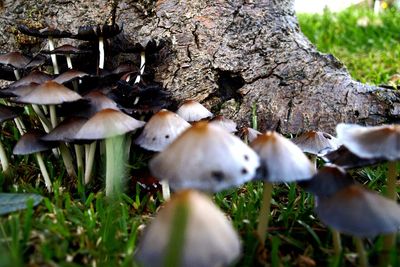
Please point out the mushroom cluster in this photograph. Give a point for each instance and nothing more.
(86, 112)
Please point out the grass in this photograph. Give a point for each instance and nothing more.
(73, 227)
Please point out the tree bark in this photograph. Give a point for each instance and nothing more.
(230, 55)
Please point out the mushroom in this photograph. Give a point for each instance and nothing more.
(189, 231)
(205, 157)
(100, 33)
(382, 142)
(111, 125)
(48, 33)
(349, 208)
(66, 50)
(7, 113)
(192, 111)
(31, 143)
(160, 131)
(16, 60)
(228, 124)
(281, 162)
(316, 143)
(250, 134)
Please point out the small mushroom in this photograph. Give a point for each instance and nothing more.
(66, 50)
(281, 161)
(189, 231)
(226, 123)
(192, 111)
(108, 124)
(205, 157)
(30, 143)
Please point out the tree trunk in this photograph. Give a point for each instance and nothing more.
(230, 55)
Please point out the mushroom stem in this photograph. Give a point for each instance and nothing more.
(67, 159)
(90, 152)
(79, 157)
(53, 116)
(337, 246)
(166, 192)
(69, 61)
(44, 172)
(101, 52)
(20, 126)
(362, 255)
(115, 163)
(3, 158)
(45, 122)
(17, 75)
(53, 56)
(391, 180)
(142, 65)
(313, 159)
(263, 218)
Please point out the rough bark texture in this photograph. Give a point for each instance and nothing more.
(228, 55)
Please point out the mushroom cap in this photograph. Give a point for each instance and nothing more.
(107, 123)
(251, 133)
(209, 237)
(328, 180)
(66, 49)
(316, 142)
(161, 130)
(93, 32)
(281, 160)
(69, 75)
(228, 124)
(205, 157)
(192, 110)
(66, 130)
(8, 112)
(19, 90)
(371, 142)
(49, 93)
(43, 33)
(359, 212)
(34, 76)
(348, 160)
(15, 60)
(31, 142)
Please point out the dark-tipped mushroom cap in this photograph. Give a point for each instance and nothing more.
(107, 123)
(281, 160)
(66, 130)
(69, 75)
(348, 160)
(162, 129)
(226, 123)
(91, 33)
(7, 112)
(31, 143)
(50, 93)
(328, 180)
(371, 142)
(18, 91)
(15, 60)
(34, 76)
(209, 238)
(192, 110)
(316, 142)
(359, 212)
(43, 33)
(66, 49)
(205, 157)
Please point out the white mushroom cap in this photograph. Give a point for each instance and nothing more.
(107, 123)
(193, 111)
(49, 93)
(371, 142)
(281, 159)
(228, 124)
(316, 142)
(359, 212)
(209, 241)
(205, 157)
(251, 133)
(161, 130)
